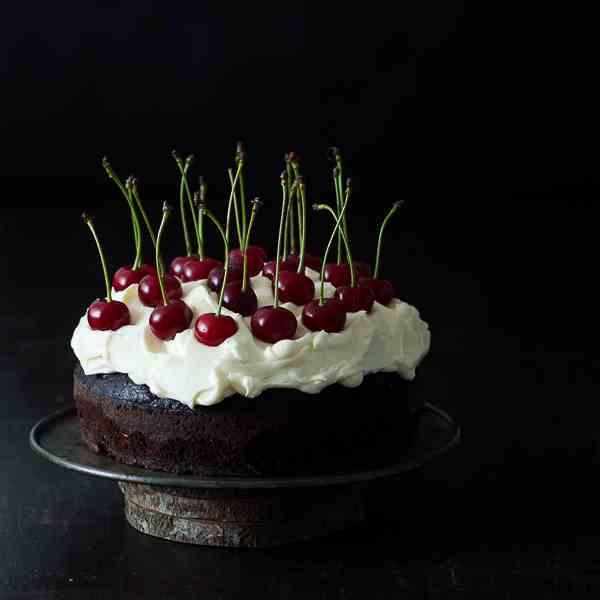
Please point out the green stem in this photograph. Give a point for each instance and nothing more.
(137, 231)
(159, 269)
(144, 215)
(281, 223)
(286, 229)
(182, 210)
(292, 225)
(301, 219)
(246, 241)
(302, 202)
(202, 198)
(344, 239)
(338, 202)
(214, 219)
(243, 202)
(394, 208)
(184, 186)
(233, 195)
(201, 230)
(340, 187)
(134, 220)
(88, 222)
(333, 234)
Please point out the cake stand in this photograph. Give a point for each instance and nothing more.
(238, 511)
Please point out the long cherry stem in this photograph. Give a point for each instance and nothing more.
(137, 261)
(255, 206)
(301, 216)
(136, 195)
(182, 210)
(233, 201)
(302, 201)
(333, 234)
(134, 219)
(344, 226)
(202, 199)
(394, 208)
(240, 157)
(214, 219)
(184, 187)
(159, 269)
(344, 238)
(289, 233)
(233, 182)
(338, 202)
(88, 221)
(284, 188)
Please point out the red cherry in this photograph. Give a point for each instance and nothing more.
(329, 316)
(216, 276)
(355, 298)
(126, 276)
(270, 324)
(147, 269)
(177, 264)
(337, 275)
(254, 263)
(269, 268)
(149, 290)
(196, 269)
(361, 268)
(295, 287)
(253, 250)
(312, 262)
(213, 330)
(168, 320)
(105, 315)
(382, 288)
(238, 300)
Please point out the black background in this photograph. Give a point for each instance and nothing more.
(487, 126)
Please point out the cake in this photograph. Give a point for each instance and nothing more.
(313, 402)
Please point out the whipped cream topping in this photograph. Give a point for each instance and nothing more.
(390, 338)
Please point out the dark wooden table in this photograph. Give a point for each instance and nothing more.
(511, 513)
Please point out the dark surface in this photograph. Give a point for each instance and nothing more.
(484, 128)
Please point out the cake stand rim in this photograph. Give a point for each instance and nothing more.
(156, 478)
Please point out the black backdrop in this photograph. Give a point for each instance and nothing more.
(486, 126)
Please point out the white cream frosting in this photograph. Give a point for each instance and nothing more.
(390, 338)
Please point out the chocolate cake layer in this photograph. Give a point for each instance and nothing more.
(280, 432)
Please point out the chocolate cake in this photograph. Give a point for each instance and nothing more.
(285, 367)
(280, 432)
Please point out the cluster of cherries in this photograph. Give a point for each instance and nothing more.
(356, 287)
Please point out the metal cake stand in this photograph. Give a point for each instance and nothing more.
(238, 511)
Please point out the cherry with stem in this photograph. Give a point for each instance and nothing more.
(217, 275)
(382, 288)
(212, 329)
(271, 324)
(326, 314)
(239, 296)
(196, 269)
(295, 286)
(105, 314)
(126, 276)
(352, 297)
(290, 218)
(129, 199)
(173, 316)
(178, 263)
